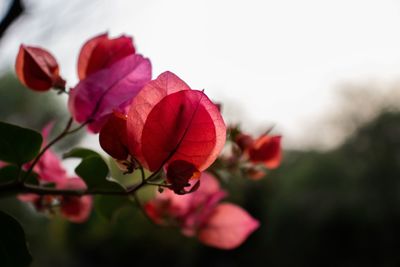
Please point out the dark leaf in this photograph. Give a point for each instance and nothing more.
(13, 247)
(94, 171)
(18, 145)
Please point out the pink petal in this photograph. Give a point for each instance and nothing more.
(189, 211)
(227, 227)
(166, 83)
(49, 168)
(95, 97)
(28, 197)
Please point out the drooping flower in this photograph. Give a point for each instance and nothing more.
(220, 225)
(37, 69)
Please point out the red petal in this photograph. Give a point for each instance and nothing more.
(227, 227)
(37, 69)
(183, 126)
(101, 52)
(113, 88)
(75, 209)
(113, 136)
(267, 149)
(166, 83)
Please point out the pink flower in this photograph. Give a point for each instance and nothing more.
(220, 225)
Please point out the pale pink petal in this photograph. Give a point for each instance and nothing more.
(49, 168)
(189, 211)
(28, 197)
(227, 227)
(112, 88)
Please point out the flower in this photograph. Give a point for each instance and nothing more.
(200, 214)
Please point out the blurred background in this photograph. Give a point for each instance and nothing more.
(326, 74)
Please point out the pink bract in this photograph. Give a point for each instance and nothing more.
(101, 52)
(112, 88)
(167, 121)
(227, 227)
(166, 83)
(224, 226)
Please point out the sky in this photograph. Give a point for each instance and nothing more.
(269, 63)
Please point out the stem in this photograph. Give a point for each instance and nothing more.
(162, 185)
(63, 134)
(19, 186)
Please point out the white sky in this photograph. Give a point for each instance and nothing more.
(268, 62)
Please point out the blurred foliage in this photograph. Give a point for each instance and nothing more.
(26, 108)
(335, 208)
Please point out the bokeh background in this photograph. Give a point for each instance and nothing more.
(325, 74)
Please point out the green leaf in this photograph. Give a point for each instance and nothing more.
(81, 153)
(10, 173)
(94, 171)
(108, 206)
(13, 248)
(18, 145)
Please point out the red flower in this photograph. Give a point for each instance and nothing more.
(37, 69)
(224, 226)
(168, 121)
(267, 150)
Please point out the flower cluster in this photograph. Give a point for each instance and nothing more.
(162, 125)
(221, 225)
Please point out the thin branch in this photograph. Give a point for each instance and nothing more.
(16, 9)
(51, 143)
